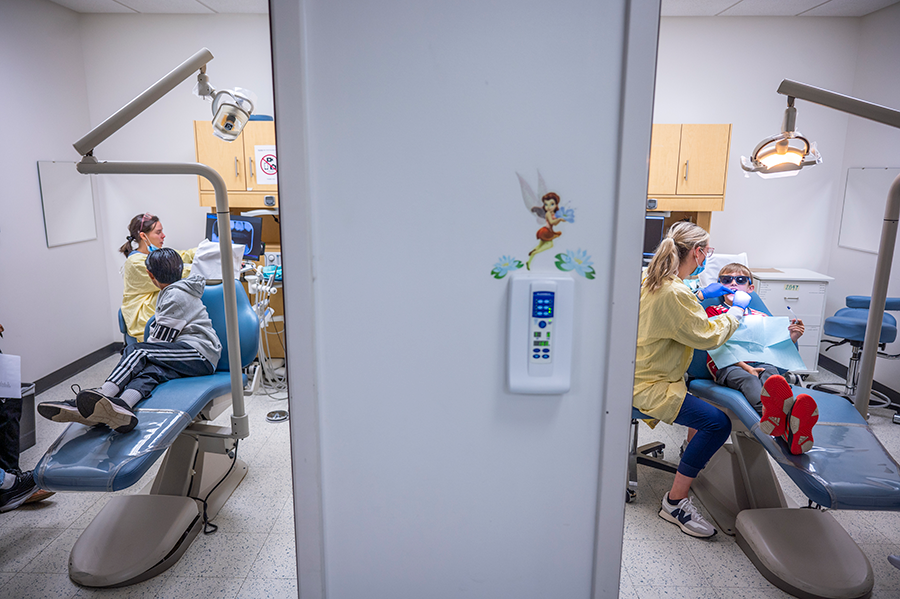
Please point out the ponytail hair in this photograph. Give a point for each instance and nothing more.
(142, 223)
(681, 238)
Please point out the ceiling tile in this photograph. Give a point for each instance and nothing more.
(770, 8)
(167, 6)
(695, 8)
(260, 7)
(94, 6)
(848, 8)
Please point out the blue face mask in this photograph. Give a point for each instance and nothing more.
(153, 248)
(699, 269)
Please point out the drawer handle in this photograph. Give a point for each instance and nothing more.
(792, 299)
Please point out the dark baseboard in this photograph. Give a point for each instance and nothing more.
(841, 370)
(80, 365)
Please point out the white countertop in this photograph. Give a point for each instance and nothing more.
(788, 274)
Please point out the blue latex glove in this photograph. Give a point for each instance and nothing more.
(715, 290)
(741, 299)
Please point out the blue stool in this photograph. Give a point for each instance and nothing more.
(849, 325)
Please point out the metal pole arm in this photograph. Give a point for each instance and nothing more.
(89, 165)
(121, 117)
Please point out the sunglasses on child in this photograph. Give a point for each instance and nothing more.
(740, 280)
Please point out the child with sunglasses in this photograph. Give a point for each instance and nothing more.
(760, 383)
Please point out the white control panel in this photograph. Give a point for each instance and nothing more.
(539, 352)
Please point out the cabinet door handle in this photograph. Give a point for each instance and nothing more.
(236, 163)
(250, 167)
(687, 164)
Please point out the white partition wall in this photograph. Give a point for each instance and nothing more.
(401, 126)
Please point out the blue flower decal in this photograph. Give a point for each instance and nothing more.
(578, 261)
(506, 265)
(568, 214)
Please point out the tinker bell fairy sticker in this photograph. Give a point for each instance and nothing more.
(548, 212)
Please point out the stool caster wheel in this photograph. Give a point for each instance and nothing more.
(630, 495)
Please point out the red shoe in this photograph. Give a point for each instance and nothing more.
(803, 418)
(777, 400)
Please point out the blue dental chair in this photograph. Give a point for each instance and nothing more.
(136, 537)
(804, 552)
(849, 325)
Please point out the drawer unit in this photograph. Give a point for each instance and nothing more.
(804, 291)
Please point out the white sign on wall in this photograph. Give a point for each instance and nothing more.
(266, 165)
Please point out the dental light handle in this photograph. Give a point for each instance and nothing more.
(240, 426)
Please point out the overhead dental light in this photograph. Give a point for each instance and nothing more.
(782, 155)
(231, 107)
(782, 164)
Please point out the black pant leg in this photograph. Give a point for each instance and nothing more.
(10, 414)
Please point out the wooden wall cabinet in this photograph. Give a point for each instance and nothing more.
(688, 169)
(235, 161)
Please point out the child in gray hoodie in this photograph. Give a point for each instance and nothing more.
(182, 342)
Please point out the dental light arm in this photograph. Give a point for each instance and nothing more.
(890, 117)
(123, 116)
(240, 427)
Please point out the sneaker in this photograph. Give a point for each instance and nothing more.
(687, 517)
(15, 496)
(111, 411)
(63, 411)
(777, 400)
(802, 420)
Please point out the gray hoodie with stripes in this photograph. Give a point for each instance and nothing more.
(181, 316)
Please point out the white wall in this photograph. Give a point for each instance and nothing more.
(869, 144)
(718, 70)
(125, 54)
(54, 302)
(435, 481)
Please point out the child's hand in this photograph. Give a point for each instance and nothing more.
(796, 329)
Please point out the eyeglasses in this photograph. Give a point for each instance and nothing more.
(708, 251)
(740, 280)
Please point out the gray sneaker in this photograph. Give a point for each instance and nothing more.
(687, 517)
(111, 411)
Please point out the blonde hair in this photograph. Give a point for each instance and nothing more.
(736, 267)
(680, 240)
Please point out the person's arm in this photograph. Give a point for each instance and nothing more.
(750, 369)
(683, 319)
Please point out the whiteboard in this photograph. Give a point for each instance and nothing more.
(68, 201)
(863, 211)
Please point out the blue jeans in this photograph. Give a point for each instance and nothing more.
(713, 428)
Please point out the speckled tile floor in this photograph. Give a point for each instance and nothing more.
(658, 560)
(256, 530)
(251, 555)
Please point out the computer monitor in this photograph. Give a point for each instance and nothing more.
(654, 231)
(245, 230)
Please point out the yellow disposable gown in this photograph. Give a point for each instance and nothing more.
(671, 324)
(139, 297)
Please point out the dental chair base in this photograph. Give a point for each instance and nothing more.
(201, 463)
(804, 552)
(813, 561)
